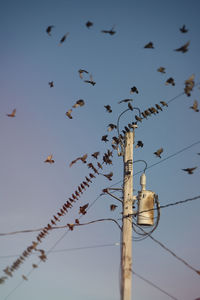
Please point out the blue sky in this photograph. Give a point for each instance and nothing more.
(32, 191)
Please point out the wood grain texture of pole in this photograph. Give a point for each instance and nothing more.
(126, 251)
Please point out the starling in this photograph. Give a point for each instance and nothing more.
(88, 24)
(163, 103)
(183, 48)
(130, 106)
(170, 80)
(78, 103)
(99, 165)
(134, 90)
(144, 115)
(82, 209)
(126, 129)
(183, 29)
(189, 84)
(153, 110)
(13, 113)
(139, 144)
(34, 265)
(24, 277)
(63, 38)
(109, 176)
(138, 119)
(48, 30)
(111, 127)
(125, 100)
(149, 45)
(82, 158)
(68, 113)
(158, 152)
(195, 106)
(161, 70)
(158, 107)
(81, 71)
(113, 207)
(111, 31)
(51, 84)
(95, 154)
(77, 221)
(147, 112)
(91, 81)
(70, 226)
(108, 108)
(49, 159)
(190, 170)
(104, 138)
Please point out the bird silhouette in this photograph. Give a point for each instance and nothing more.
(104, 138)
(183, 48)
(158, 107)
(48, 30)
(149, 45)
(134, 90)
(51, 84)
(49, 159)
(153, 110)
(78, 103)
(183, 29)
(95, 154)
(130, 106)
(113, 207)
(99, 165)
(108, 176)
(139, 144)
(63, 38)
(125, 100)
(88, 24)
(170, 80)
(138, 119)
(81, 71)
(91, 81)
(108, 108)
(111, 31)
(82, 209)
(190, 170)
(161, 70)
(82, 158)
(13, 113)
(158, 152)
(195, 106)
(68, 113)
(189, 84)
(164, 103)
(111, 127)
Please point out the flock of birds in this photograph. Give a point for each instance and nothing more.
(116, 141)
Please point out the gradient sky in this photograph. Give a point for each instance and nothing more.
(32, 191)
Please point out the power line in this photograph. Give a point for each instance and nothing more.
(153, 284)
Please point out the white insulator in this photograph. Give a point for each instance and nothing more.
(143, 181)
(145, 208)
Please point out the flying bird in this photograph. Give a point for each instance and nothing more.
(190, 170)
(99, 165)
(95, 154)
(88, 24)
(104, 138)
(108, 108)
(170, 80)
(189, 84)
(63, 38)
(195, 106)
(81, 71)
(49, 159)
(139, 144)
(111, 127)
(91, 81)
(125, 100)
(48, 30)
(68, 113)
(161, 70)
(158, 152)
(82, 158)
(111, 31)
(149, 45)
(113, 207)
(183, 29)
(51, 84)
(78, 103)
(13, 113)
(183, 48)
(134, 90)
(108, 176)
(82, 209)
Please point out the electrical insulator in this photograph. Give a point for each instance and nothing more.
(145, 198)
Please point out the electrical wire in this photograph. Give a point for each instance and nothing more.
(153, 284)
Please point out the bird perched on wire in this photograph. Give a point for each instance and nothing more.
(48, 30)
(63, 38)
(138, 119)
(111, 31)
(183, 48)
(161, 70)
(108, 108)
(82, 158)
(13, 113)
(153, 110)
(149, 45)
(170, 80)
(190, 170)
(125, 100)
(51, 84)
(49, 159)
(88, 24)
(104, 138)
(78, 103)
(164, 103)
(130, 106)
(139, 144)
(91, 81)
(158, 152)
(183, 29)
(68, 113)
(195, 106)
(158, 107)
(81, 71)
(134, 90)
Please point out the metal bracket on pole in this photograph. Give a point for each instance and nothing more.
(107, 191)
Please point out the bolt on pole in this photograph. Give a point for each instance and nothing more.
(126, 250)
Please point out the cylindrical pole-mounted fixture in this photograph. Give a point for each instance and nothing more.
(145, 215)
(143, 181)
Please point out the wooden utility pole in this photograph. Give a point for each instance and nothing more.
(126, 251)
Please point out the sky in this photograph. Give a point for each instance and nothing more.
(85, 263)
